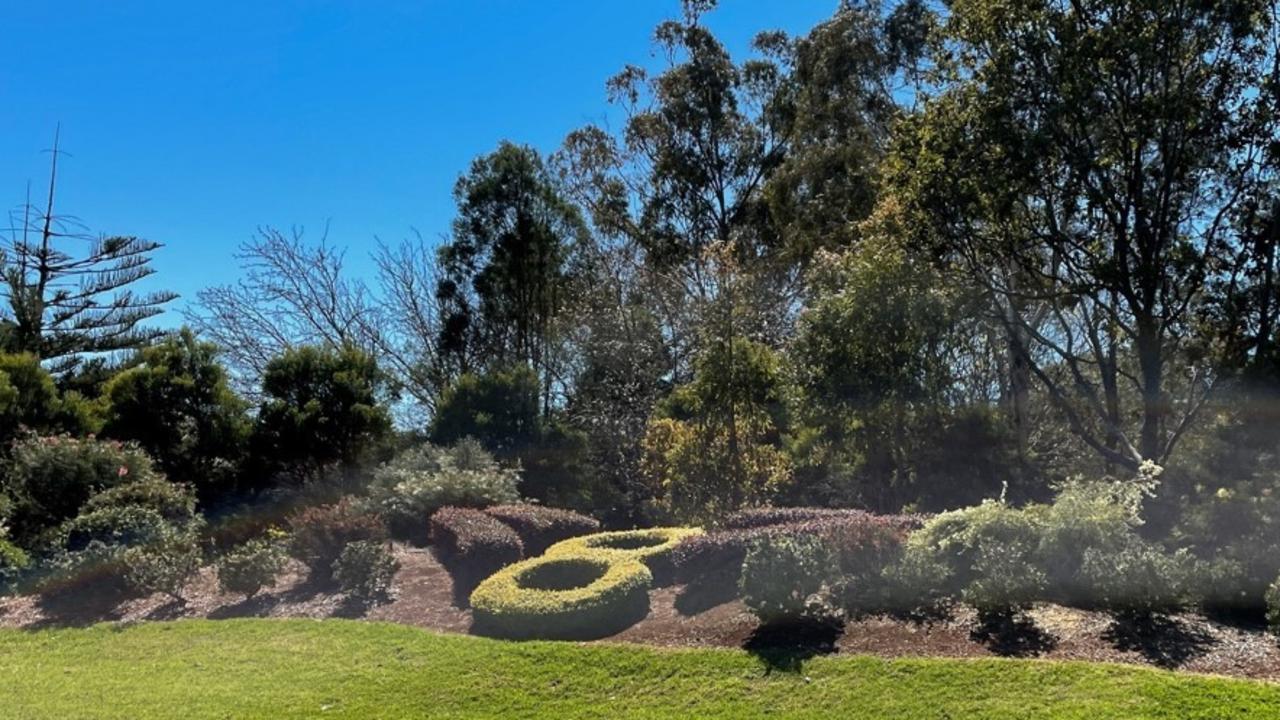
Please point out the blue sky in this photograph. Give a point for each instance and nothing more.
(194, 123)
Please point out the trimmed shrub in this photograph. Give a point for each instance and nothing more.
(318, 535)
(163, 565)
(174, 502)
(653, 547)
(913, 583)
(419, 481)
(13, 562)
(540, 527)
(784, 578)
(771, 516)
(714, 557)
(562, 597)
(472, 546)
(365, 570)
(251, 566)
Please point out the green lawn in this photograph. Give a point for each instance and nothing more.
(351, 669)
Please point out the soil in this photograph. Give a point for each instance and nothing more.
(422, 595)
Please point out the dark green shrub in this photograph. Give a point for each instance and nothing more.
(318, 535)
(562, 597)
(472, 546)
(13, 562)
(163, 565)
(541, 527)
(50, 478)
(713, 558)
(785, 578)
(365, 570)
(410, 488)
(915, 582)
(174, 502)
(251, 566)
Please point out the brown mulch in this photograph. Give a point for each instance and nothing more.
(422, 596)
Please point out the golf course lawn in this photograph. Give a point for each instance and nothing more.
(353, 669)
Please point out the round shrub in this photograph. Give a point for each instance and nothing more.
(117, 526)
(163, 565)
(318, 535)
(784, 578)
(174, 502)
(653, 547)
(540, 527)
(365, 570)
(251, 566)
(562, 597)
(1138, 579)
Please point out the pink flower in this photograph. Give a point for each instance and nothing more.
(122, 471)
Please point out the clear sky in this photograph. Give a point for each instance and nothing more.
(192, 123)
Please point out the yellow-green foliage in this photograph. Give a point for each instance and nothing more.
(653, 547)
(563, 596)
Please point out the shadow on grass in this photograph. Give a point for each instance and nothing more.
(1162, 640)
(786, 646)
(1012, 635)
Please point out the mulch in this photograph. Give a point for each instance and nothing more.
(422, 595)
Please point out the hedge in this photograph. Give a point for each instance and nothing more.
(472, 546)
(770, 516)
(540, 527)
(562, 597)
(653, 547)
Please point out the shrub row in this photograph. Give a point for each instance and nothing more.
(319, 534)
(472, 546)
(772, 516)
(540, 527)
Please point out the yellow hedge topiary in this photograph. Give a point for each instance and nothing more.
(653, 547)
(562, 596)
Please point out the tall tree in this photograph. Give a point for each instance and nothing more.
(62, 306)
(1086, 160)
(507, 267)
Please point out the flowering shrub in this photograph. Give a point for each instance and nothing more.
(50, 478)
(421, 480)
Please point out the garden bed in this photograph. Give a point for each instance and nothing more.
(423, 597)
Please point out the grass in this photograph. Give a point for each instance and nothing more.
(351, 669)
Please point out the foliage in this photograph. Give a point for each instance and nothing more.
(175, 402)
(1273, 607)
(252, 566)
(417, 482)
(162, 565)
(321, 407)
(563, 596)
(653, 547)
(50, 478)
(317, 535)
(498, 408)
(766, 516)
(113, 526)
(13, 562)
(715, 444)
(174, 502)
(784, 578)
(540, 527)
(365, 569)
(29, 400)
(1138, 579)
(987, 537)
(472, 546)
(713, 558)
